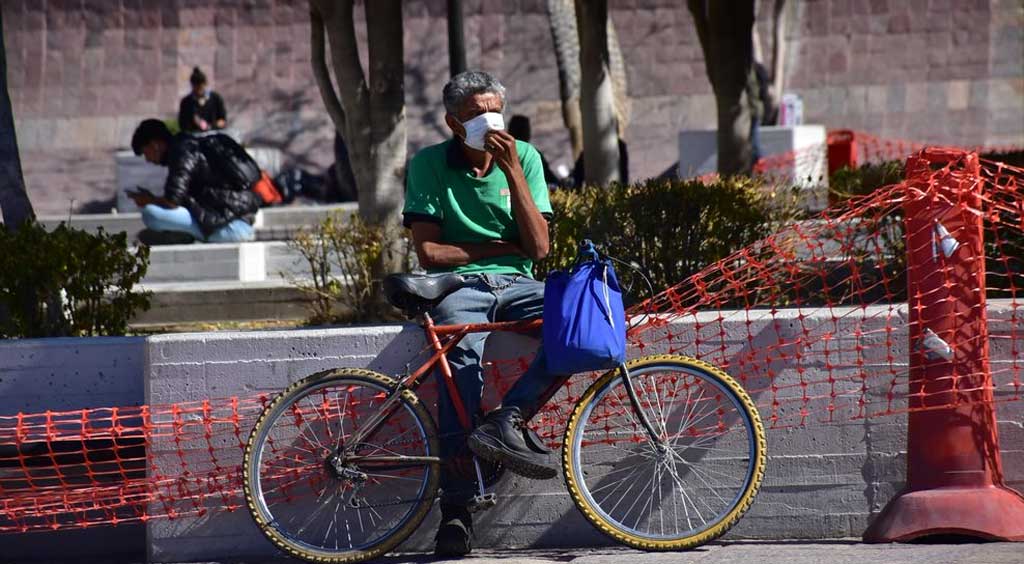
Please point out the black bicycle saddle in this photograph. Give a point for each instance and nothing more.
(418, 293)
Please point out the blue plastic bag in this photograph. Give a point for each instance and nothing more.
(584, 321)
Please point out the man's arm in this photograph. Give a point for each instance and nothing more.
(533, 228)
(433, 253)
(182, 164)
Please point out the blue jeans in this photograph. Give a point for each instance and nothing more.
(179, 219)
(487, 298)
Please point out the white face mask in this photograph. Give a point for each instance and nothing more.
(477, 127)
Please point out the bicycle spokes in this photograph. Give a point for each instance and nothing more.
(321, 490)
(683, 481)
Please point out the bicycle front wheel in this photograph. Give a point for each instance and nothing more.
(683, 490)
(321, 498)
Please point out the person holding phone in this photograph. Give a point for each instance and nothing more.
(208, 195)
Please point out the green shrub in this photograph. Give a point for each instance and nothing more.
(68, 282)
(671, 229)
(847, 183)
(341, 254)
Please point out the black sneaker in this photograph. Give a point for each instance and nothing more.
(502, 438)
(454, 536)
(152, 237)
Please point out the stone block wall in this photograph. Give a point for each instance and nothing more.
(84, 72)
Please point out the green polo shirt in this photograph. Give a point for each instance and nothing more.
(441, 188)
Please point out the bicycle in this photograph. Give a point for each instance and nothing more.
(343, 465)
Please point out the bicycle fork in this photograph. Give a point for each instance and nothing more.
(641, 414)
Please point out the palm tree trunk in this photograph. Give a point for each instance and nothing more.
(562, 20)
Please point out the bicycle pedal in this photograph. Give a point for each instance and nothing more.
(482, 502)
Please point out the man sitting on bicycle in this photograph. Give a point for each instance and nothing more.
(478, 205)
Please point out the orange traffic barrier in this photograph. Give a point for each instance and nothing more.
(954, 469)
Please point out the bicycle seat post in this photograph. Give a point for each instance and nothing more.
(426, 320)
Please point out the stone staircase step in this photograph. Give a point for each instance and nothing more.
(242, 262)
(225, 301)
(272, 224)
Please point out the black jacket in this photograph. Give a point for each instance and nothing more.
(211, 176)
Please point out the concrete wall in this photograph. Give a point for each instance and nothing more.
(823, 481)
(82, 74)
(65, 374)
(68, 374)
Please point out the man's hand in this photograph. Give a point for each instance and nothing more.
(141, 198)
(502, 147)
(533, 228)
(144, 198)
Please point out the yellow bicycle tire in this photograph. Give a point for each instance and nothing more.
(576, 487)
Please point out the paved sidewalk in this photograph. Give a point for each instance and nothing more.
(782, 552)
(740, 552)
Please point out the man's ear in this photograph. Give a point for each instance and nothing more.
(455, 126)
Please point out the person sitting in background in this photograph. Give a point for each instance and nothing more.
(763, 109)
(202, 109)
(519, 127)
(208, 195)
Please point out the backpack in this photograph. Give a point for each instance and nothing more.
(267, 190)
(233, 164)
(584, 319)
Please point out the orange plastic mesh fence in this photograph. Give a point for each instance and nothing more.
(812, 321)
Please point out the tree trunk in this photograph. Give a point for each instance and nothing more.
(374, 118)
(725, 28)
(597, 101)
(342, 167)
(373, 113)
(779, 47)
(383, 205)
(566, 39)
(14, 202)
(562, 20)
(620, 85)
(456, 39)
(322, 74)
(387, 111)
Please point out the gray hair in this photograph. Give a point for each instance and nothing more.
(466, 84)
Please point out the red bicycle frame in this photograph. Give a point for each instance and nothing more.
(442, 338)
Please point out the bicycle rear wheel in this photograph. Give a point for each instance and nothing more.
(685, 494)
(321, 498)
